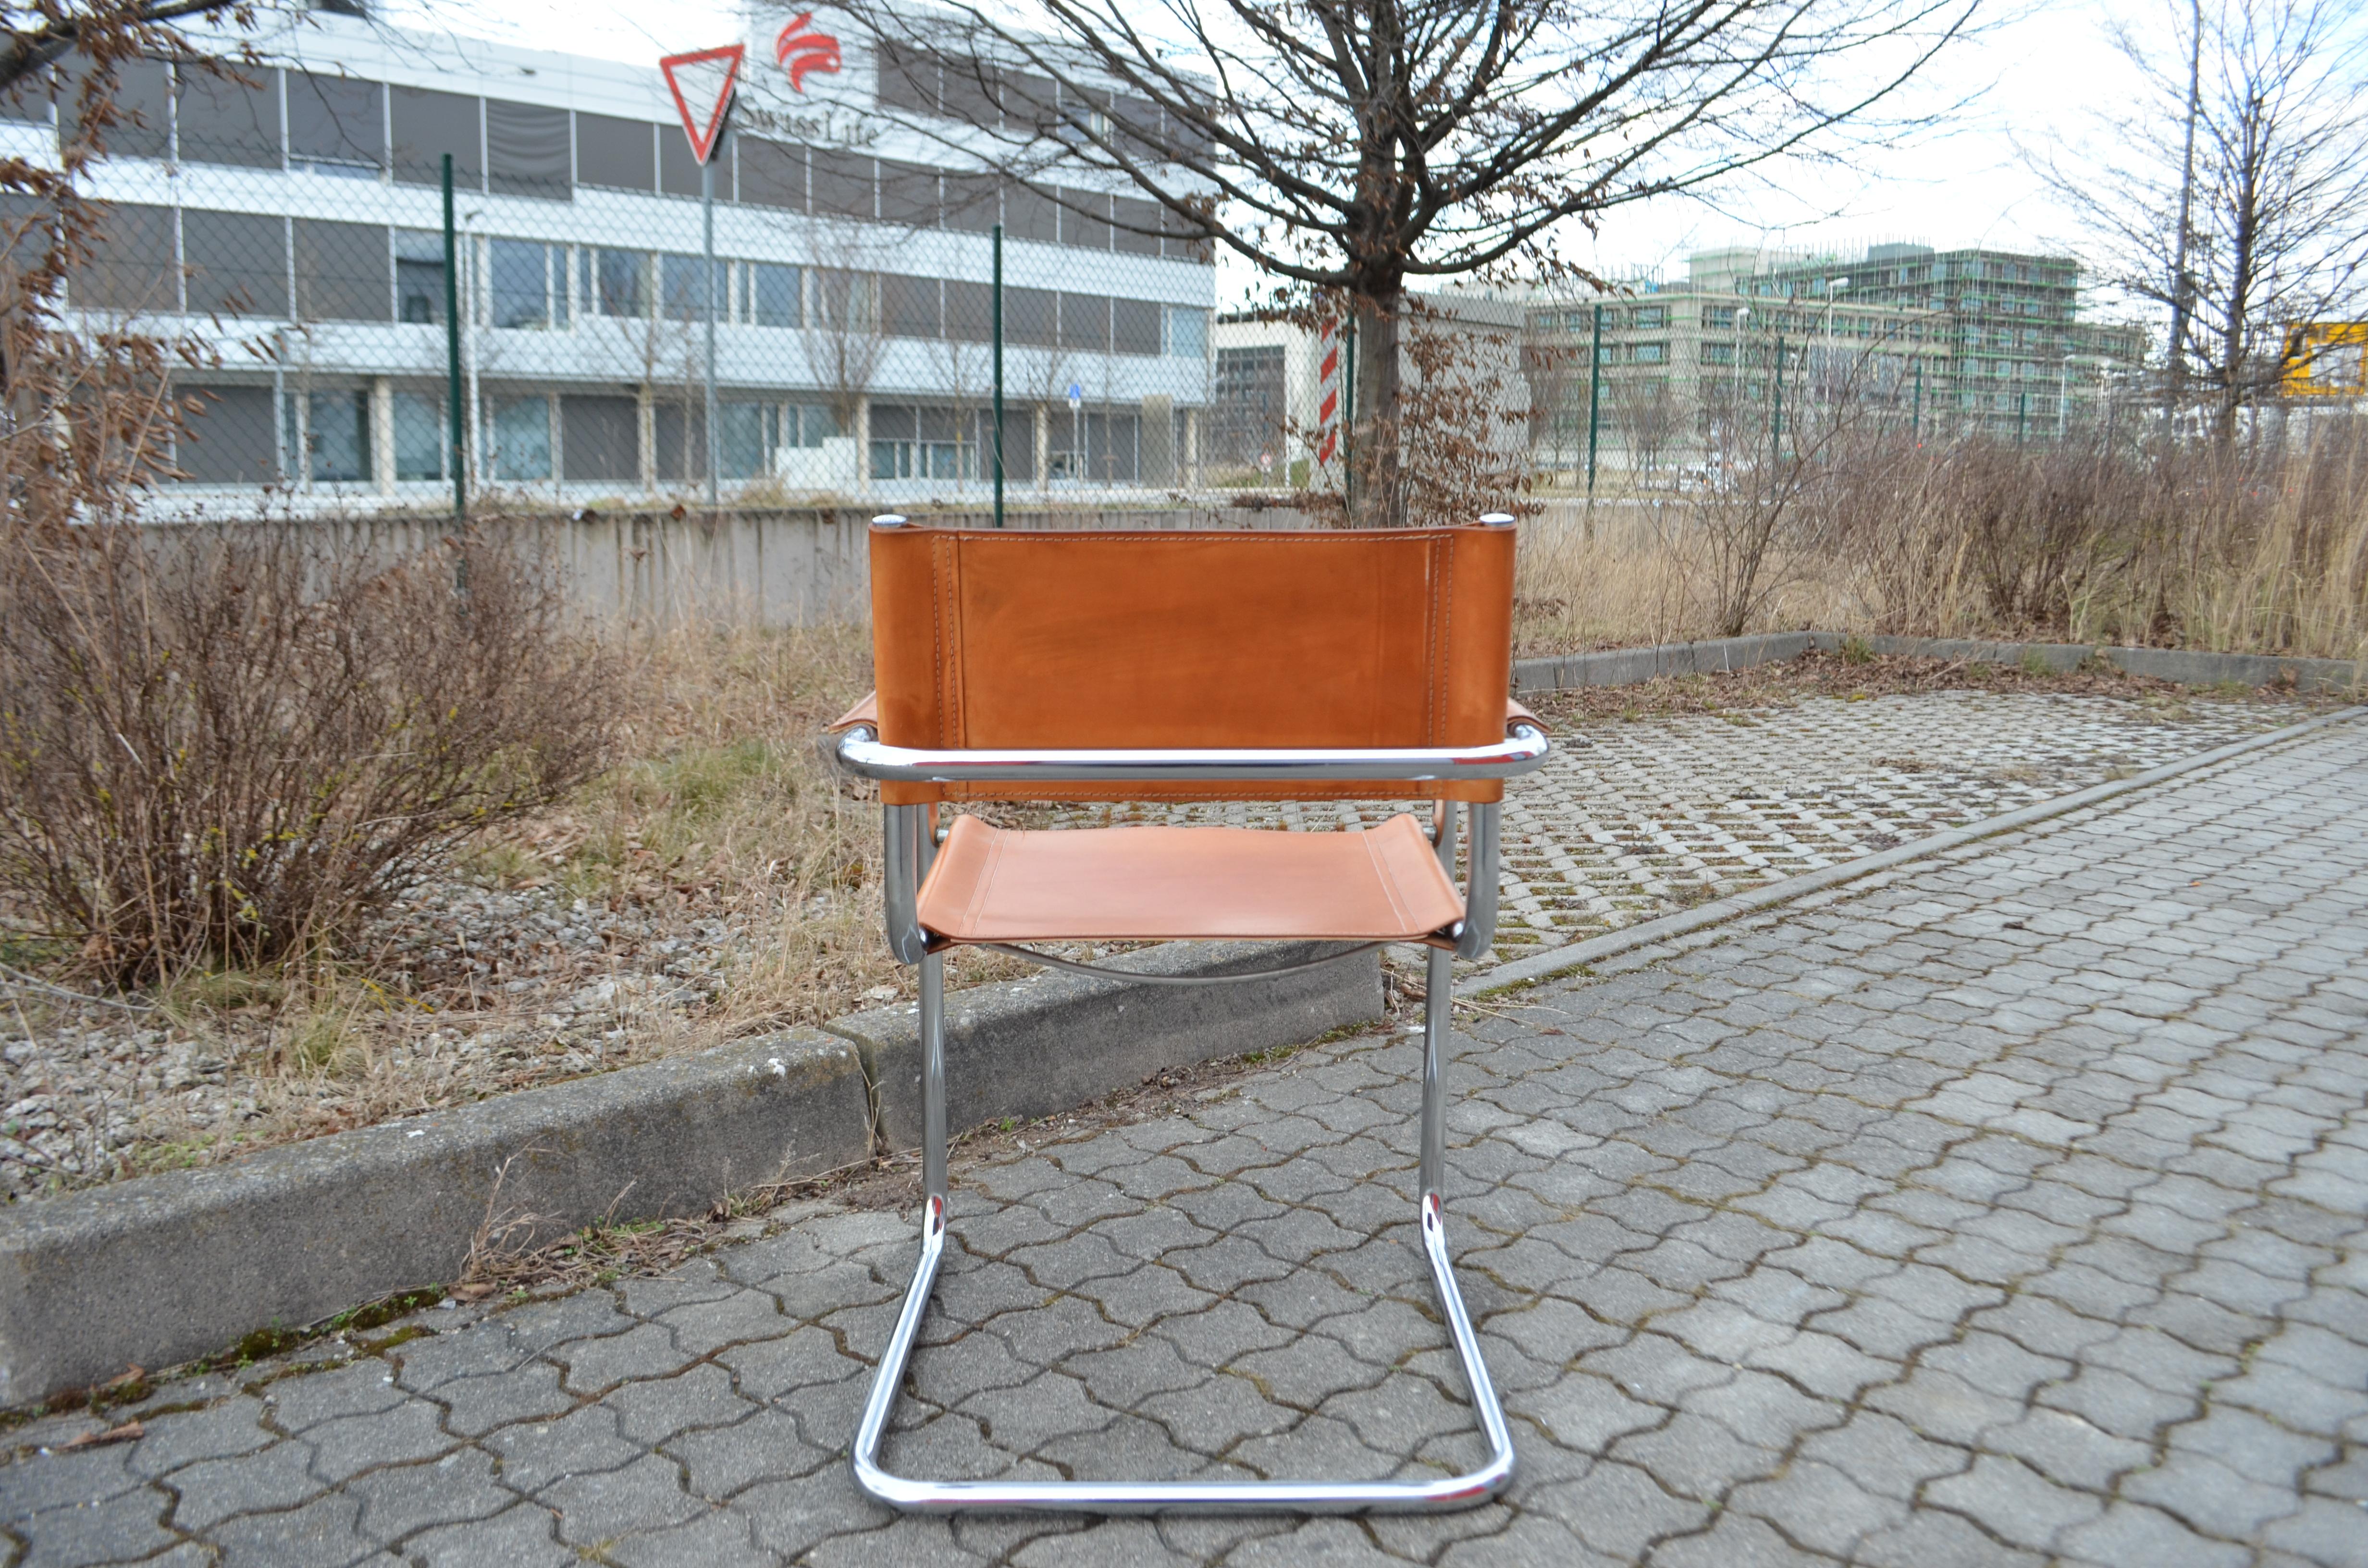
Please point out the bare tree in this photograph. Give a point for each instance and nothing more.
(2276, 227)
(1370, 145)
(844, 334)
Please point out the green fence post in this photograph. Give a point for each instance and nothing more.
(1594, 401)
(452, 353)
(998, 375)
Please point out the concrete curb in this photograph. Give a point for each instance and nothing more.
(1577, 955)
(1632, 666)
(163, 1269)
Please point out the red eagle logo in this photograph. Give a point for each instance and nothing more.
(802, 52)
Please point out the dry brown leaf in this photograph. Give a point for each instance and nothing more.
(130, 1432)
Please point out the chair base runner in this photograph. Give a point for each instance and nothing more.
(1442, 1494)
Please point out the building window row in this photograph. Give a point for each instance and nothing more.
(346, 128)
(168, 260)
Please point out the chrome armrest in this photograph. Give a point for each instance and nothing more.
(1523, 750)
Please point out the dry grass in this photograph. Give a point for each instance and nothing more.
(2243, 553)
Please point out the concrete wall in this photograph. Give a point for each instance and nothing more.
(772, 567)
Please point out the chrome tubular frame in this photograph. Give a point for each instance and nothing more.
(1523, 750)
(911, 843)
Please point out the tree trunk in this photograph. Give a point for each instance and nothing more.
(1377, 447)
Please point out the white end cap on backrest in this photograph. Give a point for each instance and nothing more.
(889, 520)
(1496, 519)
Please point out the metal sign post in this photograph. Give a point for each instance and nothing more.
(711, 75)
(1076, 430)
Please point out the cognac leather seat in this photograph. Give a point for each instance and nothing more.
(991, 884)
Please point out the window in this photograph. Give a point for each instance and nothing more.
(1029, 316)
(678, 171)
(1084, 219)
(925, 443)
(526, 150)
(969, 312)
(1718, 353)
(972, 202)
(908, 80)
(1718, 315)
(617, 282)
(418, 436)
(144, 124)
(129, 268)
(237, 264)
(620, 154)
(229, 439)
(908, 306)
(684, 296)
(1085, 323)
(1647, 318)
(336, 436)
(971, 91)
(1136, 226)
(224, 121)
(526, 284)
(908, 194)
(1030, 214)
(772, 173)
(1651, 354)
(840, 183)
(1247, 409)
(1134, 326)
(806, 426)
(418, 276)
(599, 439)
(1188, 332)
(428, 124)
(679, 430)
(517, 439)
(341, 271)
(751, 434)
(335, 125)
(772, 295)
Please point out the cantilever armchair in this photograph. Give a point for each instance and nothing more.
(1260, 666)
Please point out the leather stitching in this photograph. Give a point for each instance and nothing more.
(1389, 883)
(976, 911)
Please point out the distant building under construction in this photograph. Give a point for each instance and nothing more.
(1971, 341)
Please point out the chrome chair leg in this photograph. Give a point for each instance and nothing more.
(1446, 1493)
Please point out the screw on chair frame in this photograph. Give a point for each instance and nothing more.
(910, 845)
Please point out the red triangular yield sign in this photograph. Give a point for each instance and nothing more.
(701, 83)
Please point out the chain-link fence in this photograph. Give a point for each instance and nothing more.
(292, 221)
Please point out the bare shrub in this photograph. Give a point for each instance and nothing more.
(227, 744)
(2194, 547)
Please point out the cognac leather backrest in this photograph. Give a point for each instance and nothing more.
(1016, 638)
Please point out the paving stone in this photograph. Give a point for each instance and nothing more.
(215, 1490)
(525, 1536)
(323, 1532)
(112, 1529)
(2128, 1533)
(2012, 1502)
(403, 1500)
(602, 1505)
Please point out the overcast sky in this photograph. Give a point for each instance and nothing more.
(1967, 184)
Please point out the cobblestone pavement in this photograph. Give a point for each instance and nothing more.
(2013, 1208)
(1652, 814)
